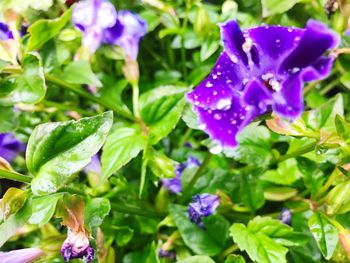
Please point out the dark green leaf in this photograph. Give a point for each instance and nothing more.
(8, 119)
(325, 234)
(251, 190)
(58, 150)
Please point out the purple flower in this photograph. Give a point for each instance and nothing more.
(347, 31)
(174, 184)
(10, 147)
(77, 246)
(127, 32)
(26, 255)
(166, 254)
(92, 17)
(260, 69)
(5, 32)
(285, 216)
(201, 206)
(94, 166)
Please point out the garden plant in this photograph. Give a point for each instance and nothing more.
(189, 131)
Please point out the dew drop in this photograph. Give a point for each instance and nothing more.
(202, 126)
(215, 76)
(223, 104)
(209, 84)
(215, 93)
(217, 116)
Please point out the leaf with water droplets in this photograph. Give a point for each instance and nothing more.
(57, 150)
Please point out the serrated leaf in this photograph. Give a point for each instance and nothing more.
(123, 144)
(43, 30)
(58, 150)
(28, 87)
(161, 109)
(325, 234)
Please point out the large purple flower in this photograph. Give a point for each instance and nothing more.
(260, 69)
(10, 147)
(92, 17)
(174, 185)
(201, 206)
(5, 32)
(127, 32)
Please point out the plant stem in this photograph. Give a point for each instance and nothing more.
(228, 251)
(135, 100)
(72, 191)
(195, 177)
(136, 211)
(15, 176)
(85, 94)
(305, 149)
(328, 184)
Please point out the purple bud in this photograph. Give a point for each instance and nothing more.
(201, 206)
(23, 30)
(174, 184)
(94, 166)
(10, 147)
(5, 32)
(167, 254)
(188, 145)
(285, 216)
(26, 255)
(77, 246)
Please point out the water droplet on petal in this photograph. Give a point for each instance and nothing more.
(217, 116)
(216, 149)
(223, 104)
(215, 93)
(202, 126)
(209, 84)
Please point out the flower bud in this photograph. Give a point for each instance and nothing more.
(202, 205)
(202, 22)
(285, 216)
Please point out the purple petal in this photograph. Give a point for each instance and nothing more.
(92, 38)
(25, 255)
(223, 125)
(216, 91)
(94, 166)
(106, 15)
(288, 102)
(318, 70)
(5, 32)
(257, 95)
(10, 147)
(201, 206)
(285, 216)
(316, 40)
(83, 14)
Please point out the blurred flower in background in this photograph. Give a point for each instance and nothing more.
(5, 32)
(285, 216)
(26, 255)
(174, 185)
(10, 147)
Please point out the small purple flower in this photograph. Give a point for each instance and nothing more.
(77, 246)
(285, 216)
(347, 31)
(260, 69)
(201, 206)
(92, 17)
(126, 33)
(26, 255)
(94, 166)
(167, 254)
(10, 147)
(5, 32)
(174, 184)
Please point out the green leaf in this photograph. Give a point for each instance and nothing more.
(326, 114)
(311, 173)
(28, 87)
(235, 259)
(9, 227)
(343, 128)
(197, 259)
(264, 239)
(325, 234)
(161, 109)
(80, 72)
(208, 48)
(8, 119)
(58, 150)
(338, 199)
(161, 165)
(43, 208)
(43, 30)
(96, 210)
(286, 173)
(254, 146)
(123, 235)
(197, 239)
(251, 190)
(146, 255)
(272, 7)
(123, 144)
(12, 201)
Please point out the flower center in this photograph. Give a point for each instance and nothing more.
(271, 82)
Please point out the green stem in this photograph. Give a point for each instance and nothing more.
(329, 86)
(136, 211)
(135, 100)
(187, 191)
(326, 186)
(15, 176)
(305, 149)
(85, 94)
(72, 191)
(228, 251)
